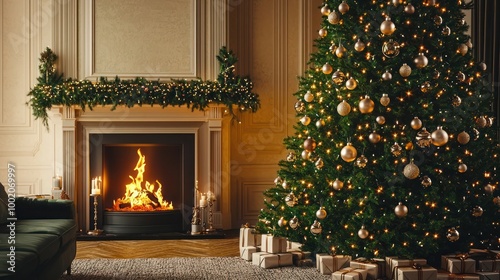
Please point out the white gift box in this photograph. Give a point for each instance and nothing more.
(276, 244)
(256, 257)
(275, 260)
(328, 264)
(416, 273)
(246, 252)
(458, 264)
(375, 267)
(392, 262)
(349, 273)
(249, 238)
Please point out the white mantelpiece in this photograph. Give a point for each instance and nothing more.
(76, 125)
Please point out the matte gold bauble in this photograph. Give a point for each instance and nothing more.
(421, 61)
(481, 122)
(366, 105)
(380, 120)
(282, 222)
(424, 138)
(416, 123)
(446, 31)
(405, 70)
(477, 211)
(359, 46)
(439, 137)
(463, 49)
(320, 123)
(489, 189)
(351, 83)
(409, 9)
(463, 138)
(426, 181)
(305, 154)
(337, 184)
(316, 228)
(385, 99)
(309, 144)
(308, 97)
(396, 150)
(327, 69)
(343, 7)
(452, 235)
(469, 44)
(363, 233)
(340, 51)
(334, 17)
(361, 161)
(411, 171)
(456, 101)
(300, 106)
(374, 137)
(390, 49)
(305, 120)
(387, 76)
(438, 20)
(294, 222)
(291, 157)
(343, 108)
(338, 77)
(387, 27)
(401, 210)
(319, 163)
(462, 167)
(290, 200)
(321, 213)
(322, 32)
(325, 10)
(348, 153)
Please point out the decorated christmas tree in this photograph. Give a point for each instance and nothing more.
(394, 151)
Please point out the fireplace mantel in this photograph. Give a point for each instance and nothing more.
(74, 125)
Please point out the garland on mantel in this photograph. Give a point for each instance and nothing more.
(228, 89)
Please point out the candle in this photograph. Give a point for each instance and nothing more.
(203, 201)
(56, 182)
(96, 186)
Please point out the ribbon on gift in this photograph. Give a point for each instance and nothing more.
(262, 259)
(462, 258)
(414, 266)
(370, 261)
(346, 271)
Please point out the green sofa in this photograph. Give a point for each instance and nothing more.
(44, 235)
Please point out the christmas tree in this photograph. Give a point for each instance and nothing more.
(394, 151)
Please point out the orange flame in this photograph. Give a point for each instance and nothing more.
(139, 198)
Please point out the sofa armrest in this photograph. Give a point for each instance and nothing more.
(28, 208)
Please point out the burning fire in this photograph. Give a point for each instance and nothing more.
(139, 198)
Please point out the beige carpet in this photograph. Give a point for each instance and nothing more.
(184, 268)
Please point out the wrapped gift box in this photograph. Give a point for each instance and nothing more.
(416, 272)
(256, 257)
(263, 242)
(375, 267)
(290, 246)
(488, 265)
(328, 264)
(318, 256)
(246, 252)
(349, 273)
(276, 244)
(458, 264)
(392, 262)
(304, 263)
(248, 237)
(275, 260)
(488, 275)
(299, 255)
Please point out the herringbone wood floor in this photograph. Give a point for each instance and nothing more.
(120, 249)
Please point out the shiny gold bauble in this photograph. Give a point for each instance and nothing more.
(348, 153)
(463, 49)
(290, 200)
(477, 211)
(359, 46)
(300, 106)
(325, 10)
(308, 97)
(380, 120)
(320, 123)
(490, 121)
(462, 167)
(421, 61)
(452, 235)
(338, 77)
(396, 150)
(333, 48)
(397, 2)
(446, 31)
(305, 120)
(309, 144)
(385, 99)
(305, 155)
(489, 189)
(401, 210)
(322, 32)
(463, 138)
(291, 156)
(321, 213)
(387, 76)
(343, 108)
(361, 161)
(411, 171)
(460, 76)
(438, 20)
(405, 70)
(334, 17)
(351, 83)
(366, 105)
(390, 49)
(343, 7)
(374, 137)
(481, 122)
(363, 233)
(416, 123)
(423, 138)
(425, 87)
(316, 228)
(284, 184)
(387, 27)
(436, 74)
(319, 163)
(294, 222)
(282, 222)
(426, 181)
(340, 51)
(409, 9)
(456, 101)
(439, 137)
(337, 184)
(327, 69)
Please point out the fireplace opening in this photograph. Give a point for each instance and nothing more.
(148, 181)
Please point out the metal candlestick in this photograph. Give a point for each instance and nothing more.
(95, 231)
(210, 216)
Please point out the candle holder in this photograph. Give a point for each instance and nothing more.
(95, 231)
(210, 216)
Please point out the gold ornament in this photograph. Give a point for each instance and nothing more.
(282, 222)
(374, 137)
(421, 61)
(366, 105)
(387, 76)
(320, 123)
(396, 150)
(325, 10)
(327, 69)
(425, 87)
(309, 144)
(460, 76)
(463, 49)
(463, 138)
(416, 123)
(456, 101)
(405, 70)
(340, 51)
(482, 66)
(322, 32)
(490, 121)
(343, 7)
(337, 184)
(319, 163)
(278, 181)
(462, 167)
(305, 120)
(351, 84)
(411, 171)
(430, 2)
(477, 134)
(380, 120)
(290, 157)
(481, 122)
(426, 181)
(387, 27)
(294, 222)
(284, 184)
(359, 46)
(424, 138)
(334, 17)
(401, 210)
(390, 49)
(446, 31)
(385, 99)
(397, 2)
(308, 97)
(305, 154)
(361, 161)
(452, 234)
(338, 77)
(496, 200)
(438, 20)
(321, 213)
(348, 153)
(409, 9)
(333, 48)
(316, 228)
(300, 106)
(343, 108)
(489, 189)
(439, 137)
(363, 233)
(290, 199)
(436, 74)
(477, 211)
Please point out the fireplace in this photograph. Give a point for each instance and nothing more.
(147, 181)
